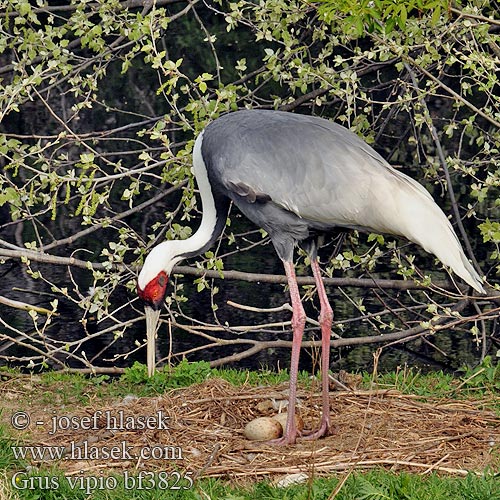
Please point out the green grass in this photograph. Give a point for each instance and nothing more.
(480, 381)
(373, 485)
(135, 380)
(185, 374)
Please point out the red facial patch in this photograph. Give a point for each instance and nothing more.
(154, 292)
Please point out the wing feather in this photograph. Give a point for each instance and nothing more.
(322, 172)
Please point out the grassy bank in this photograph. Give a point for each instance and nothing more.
(206, 410)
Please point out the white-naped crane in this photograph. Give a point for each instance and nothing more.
(298, 177)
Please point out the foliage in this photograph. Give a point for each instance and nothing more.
(99, 106)
(410, 381)
(381, 15)
(479, 381)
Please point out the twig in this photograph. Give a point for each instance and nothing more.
(25, 307)
(209, 461)
(96, 370)
(468, 379)
(477, 17)
(338, 383)
(483, 333)
(284, 307)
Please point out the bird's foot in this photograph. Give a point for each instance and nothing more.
(284, 440)
(323, 431)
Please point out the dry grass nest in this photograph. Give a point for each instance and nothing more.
(379, 428)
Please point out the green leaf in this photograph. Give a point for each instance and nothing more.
(11, 196)
(436, 16)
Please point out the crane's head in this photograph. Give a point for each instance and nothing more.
(154, 291)
(151, 288)
(153, 278)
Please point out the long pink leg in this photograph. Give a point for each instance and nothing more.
(298, 322)
(325, 321)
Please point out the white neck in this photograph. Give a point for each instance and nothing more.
(209, 218)
(164, 256)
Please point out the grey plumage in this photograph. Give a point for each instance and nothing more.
(293, 174)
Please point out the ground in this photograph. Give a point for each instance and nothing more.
(199, 430)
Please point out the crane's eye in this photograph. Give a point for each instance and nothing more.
(162, 280)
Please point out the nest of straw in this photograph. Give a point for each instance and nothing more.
(379, 428)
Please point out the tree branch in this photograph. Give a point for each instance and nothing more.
(16, 304)
(128, 4)
(234, 275)
(440, 323)
(483, 19)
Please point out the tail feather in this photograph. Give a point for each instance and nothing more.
(417, 217)
(470, 275)
(442, 241)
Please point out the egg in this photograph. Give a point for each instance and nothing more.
(281, 418)
(263, 429)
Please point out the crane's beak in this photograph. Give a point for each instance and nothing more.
(152, 317)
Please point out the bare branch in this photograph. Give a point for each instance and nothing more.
(24, 306)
